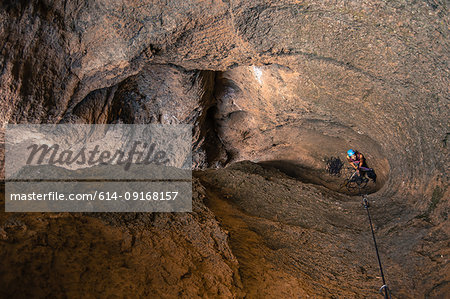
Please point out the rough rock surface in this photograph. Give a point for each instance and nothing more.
(294, 239)
(117, 254)
(387, 59)
(163, 94)
(284, 83)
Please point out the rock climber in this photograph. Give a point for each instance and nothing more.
(357, 161)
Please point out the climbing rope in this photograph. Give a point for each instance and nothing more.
(384, 288)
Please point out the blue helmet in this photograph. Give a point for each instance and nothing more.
(350, 152)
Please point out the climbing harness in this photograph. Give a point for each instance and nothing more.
(387, 294)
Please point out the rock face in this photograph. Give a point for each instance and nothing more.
(117, 254)
(361, 64)
(158, 94)
(297, 240)
(289, 124)
(282, 83)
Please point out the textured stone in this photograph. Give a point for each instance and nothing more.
(294, 82)
(294, 239)
(162, 94)
(117, 254)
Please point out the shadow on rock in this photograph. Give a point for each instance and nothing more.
(319, 176)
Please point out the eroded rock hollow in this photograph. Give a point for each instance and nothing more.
(273, 89)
